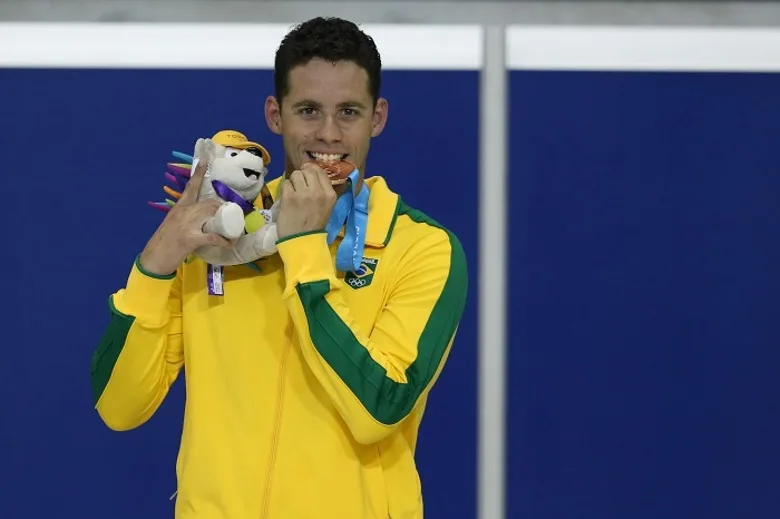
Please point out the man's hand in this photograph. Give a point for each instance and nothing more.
(306, 201)
(181, 232)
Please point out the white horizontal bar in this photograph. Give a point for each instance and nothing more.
(643, 48)
(220, 46)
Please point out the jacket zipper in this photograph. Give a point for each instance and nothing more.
(277, 426)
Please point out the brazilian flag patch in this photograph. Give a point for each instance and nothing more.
(364, 275)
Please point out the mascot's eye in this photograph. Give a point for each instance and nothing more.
(255, 151)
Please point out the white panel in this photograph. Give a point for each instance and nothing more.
(221, 46)
(643, 48)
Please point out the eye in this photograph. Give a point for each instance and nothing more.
(307, 111)
(231, 152)
(255, 151)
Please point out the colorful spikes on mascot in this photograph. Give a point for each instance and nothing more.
(237, 169)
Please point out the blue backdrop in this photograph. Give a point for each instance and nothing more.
(644, 343)
(92, 145)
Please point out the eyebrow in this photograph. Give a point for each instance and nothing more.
(315, 104)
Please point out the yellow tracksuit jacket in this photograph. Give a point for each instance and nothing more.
(305, 387)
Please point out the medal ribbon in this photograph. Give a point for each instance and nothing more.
(351, 213)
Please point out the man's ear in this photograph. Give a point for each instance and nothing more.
(379, 117)
(273, 115)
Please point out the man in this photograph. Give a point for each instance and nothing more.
(306, 382)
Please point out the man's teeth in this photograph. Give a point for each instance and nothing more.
(326, 157)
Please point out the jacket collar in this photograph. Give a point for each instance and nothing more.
(382, 209)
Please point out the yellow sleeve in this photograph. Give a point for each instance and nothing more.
(376, 379)
(140, 353)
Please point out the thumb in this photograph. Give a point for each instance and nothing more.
(191, 190)
(285, 189)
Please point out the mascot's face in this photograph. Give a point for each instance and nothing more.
(242, 170)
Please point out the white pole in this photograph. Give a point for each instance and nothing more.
(492, 267)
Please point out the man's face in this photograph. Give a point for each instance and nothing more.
(328, 113)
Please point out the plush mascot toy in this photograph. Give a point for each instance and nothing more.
(236, 175)
(237, 168)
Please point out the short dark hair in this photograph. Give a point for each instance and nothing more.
(331, 39)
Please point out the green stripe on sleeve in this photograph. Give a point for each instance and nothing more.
(108, 350)
(387, 401)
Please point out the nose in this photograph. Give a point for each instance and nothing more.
(329, 131)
